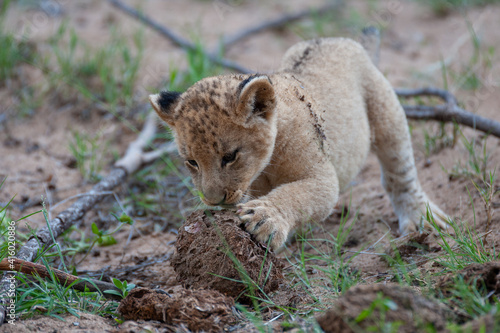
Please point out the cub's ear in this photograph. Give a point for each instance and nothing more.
(164, 104)
(256, 99)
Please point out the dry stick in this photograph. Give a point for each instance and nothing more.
(279, 22)
(449, 112)
(176, 39)
(63, 278)
(46, 235)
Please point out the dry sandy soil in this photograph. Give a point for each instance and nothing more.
(37, 162)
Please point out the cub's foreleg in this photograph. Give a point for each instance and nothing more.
(271, 217)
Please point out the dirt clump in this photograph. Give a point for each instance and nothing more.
(487, 324)
(363, 306)
(213, 252)
(199, 310)
(482, 275)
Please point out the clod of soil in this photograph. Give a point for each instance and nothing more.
(487, 275)
(209, 243)
(199, 310)
(411, 311)
(484, 324)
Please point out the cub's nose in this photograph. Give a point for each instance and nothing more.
(214, 200)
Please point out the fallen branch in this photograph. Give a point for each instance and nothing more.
(44, 237)
(280, 22)
(176, 39)
(448, 112)
(63, 278)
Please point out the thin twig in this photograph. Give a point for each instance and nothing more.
(63, 278)
(279, 22)
(176, 39)
(379, 240)
(363, 252)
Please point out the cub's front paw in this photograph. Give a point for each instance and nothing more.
(264, 221)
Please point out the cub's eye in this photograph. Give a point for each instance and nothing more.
(193, 163)
(228, 158)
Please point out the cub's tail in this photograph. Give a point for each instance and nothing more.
(370, 39)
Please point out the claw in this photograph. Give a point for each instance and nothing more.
(259, 224)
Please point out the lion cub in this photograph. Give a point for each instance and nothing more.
(281, 147)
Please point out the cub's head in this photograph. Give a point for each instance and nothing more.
(225, 129)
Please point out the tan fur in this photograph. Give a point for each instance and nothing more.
(298, 137)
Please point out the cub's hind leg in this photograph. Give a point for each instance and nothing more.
(392, 143)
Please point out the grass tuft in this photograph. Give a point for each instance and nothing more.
(462, 245)
(107, 74)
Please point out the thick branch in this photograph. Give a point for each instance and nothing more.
(449, 112)
(63, 278)
(176, 39)
(280, 22)
(460, 116)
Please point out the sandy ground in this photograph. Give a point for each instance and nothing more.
(36, 160)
